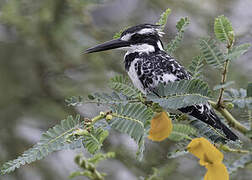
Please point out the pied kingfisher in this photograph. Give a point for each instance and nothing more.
(147, 64)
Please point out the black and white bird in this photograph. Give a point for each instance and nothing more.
(147, 64)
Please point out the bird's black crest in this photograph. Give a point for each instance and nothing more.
(139, 27)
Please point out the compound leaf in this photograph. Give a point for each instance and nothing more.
(238, 97)
(196, 66)
(181, 131)
(94, 139)
(237, 51)
(121, 84)
(223, 30)
(52, 140)
(163, 18)
(132, 119)
(211, 52)
(108, 99)
(74, 100)
(181, 26)
(180, 94)
(239, 163)
(226, 84)
(249, 90)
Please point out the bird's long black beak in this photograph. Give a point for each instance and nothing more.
(113, 44)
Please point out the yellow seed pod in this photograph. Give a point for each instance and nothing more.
(102, 113)
(230, 106)
(109, 117)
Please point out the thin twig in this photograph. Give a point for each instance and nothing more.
(102, 115)
(223, 80)
(224, 73)
(228, 149)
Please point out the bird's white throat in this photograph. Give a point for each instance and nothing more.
(147, 48)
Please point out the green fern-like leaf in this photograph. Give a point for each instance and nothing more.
(246, 114)
(132, 119)
(74, 101)
(52, 140)
(239, 163)
(238, 97)
(181, 26)
(108, 99)
(223, 30)
(155, 175)
(249, 90)
(237, 51)
(196, 66)
(249, 133)
(99, 98)
(225, 85)
(118, 34)
(89, 165)
(101, 157)
(180, 94)
(93, 140)
(163, 18)
(121, 84)
(211, 52)
(181, 131)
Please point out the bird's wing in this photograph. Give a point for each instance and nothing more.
(159, 68)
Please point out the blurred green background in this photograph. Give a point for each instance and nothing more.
(42, 62)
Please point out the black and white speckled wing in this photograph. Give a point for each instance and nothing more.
(158, 68)
(148, 70)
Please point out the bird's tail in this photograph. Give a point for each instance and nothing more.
(204, 113)
(219, 125)
(229, 134)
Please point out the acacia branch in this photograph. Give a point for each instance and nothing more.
(102, 115)
(228, 149)
(224, 73)
(223, 80)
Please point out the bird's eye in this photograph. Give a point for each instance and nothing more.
(136, 37)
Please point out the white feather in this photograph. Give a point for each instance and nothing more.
(160, 33)
(169, 78)
(134, 78)
(160, 45)
(126, 37)
(146, 31)
(139, 48)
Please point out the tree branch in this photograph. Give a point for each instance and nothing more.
(223, 80)
(228, 149)
(224, 73)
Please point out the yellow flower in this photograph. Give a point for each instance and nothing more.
(210, 157)
(216, 171)
(161, 127)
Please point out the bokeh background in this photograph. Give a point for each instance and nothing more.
(41, 63)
